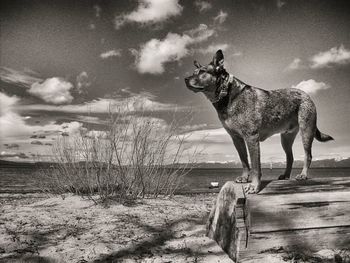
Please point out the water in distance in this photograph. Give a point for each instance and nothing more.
(21, 180)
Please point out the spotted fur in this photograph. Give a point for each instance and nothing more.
(251, 115)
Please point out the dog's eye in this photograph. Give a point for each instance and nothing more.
(210, 68)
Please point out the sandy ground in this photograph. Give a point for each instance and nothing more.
(35, 228)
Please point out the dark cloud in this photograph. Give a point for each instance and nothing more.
(36, 142)
(11, 146)
(11, 155)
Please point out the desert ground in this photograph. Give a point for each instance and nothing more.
(40, 228)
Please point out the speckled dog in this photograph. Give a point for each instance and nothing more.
(251, 115)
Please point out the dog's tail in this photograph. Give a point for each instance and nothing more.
(322, 137)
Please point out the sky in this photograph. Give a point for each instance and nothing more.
(62, 63)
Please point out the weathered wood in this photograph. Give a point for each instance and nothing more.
(298, 211)
(309, 215)
(310, 240)
(226, 221)
(308, 186)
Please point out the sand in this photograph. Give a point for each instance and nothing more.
(37, 228)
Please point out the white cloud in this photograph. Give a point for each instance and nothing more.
(136, 103)
(97, 9)
(53, 90)
(150, 11)
(202, 6)
(16, 155)
(295, 64)
(13, 125)
(209, 136)
(111, 53)
(155, 53)
(18, 77)
(212, 48)
(221, 17)
(280, 4)
(311, 86)
(7, 103)
(82, 81)
(334, 56)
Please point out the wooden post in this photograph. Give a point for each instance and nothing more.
(226, 223)
(294, 215)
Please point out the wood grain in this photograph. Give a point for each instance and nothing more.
(289, 215)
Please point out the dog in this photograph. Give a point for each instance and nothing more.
(251, 115)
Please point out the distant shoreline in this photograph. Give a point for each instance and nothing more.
(317, 164)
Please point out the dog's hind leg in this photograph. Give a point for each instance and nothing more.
(242, 152)
(307, 124)
(287, 140)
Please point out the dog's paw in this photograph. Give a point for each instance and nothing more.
(242, 179)
(301, 177)
(283, 177)
(251, 189)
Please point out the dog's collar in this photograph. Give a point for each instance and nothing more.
(229, 82)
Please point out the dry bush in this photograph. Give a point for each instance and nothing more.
(137, 156)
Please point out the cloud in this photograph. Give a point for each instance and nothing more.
(82, 81)
(150, 12)
(213, 48)
(311, 86)
(280, 4)
(90, 119)
(221, 17)
(217, 136)
(36, 142)
(111, 53)
(13, 125)
(4, 154)
(53, 90)
(202, 6)
(97, 10)
(295, 64)
(11, 145)
(332, 57)
(155, 53)
(18, 77)
(7, 103)
(136, 103)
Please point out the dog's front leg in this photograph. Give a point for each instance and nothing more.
(254, 152)
(242, 152)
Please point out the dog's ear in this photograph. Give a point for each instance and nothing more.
(196, 64)
(218, 59)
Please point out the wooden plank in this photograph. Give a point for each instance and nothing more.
(304, 241)
(298, 211)
(307, 186)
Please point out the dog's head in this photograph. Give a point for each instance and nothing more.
(207, 78)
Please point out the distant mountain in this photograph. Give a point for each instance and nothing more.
(4, 163)
(326, 163)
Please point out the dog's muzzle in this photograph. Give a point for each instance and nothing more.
(191, 87)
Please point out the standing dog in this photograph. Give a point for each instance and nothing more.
(251, 115)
